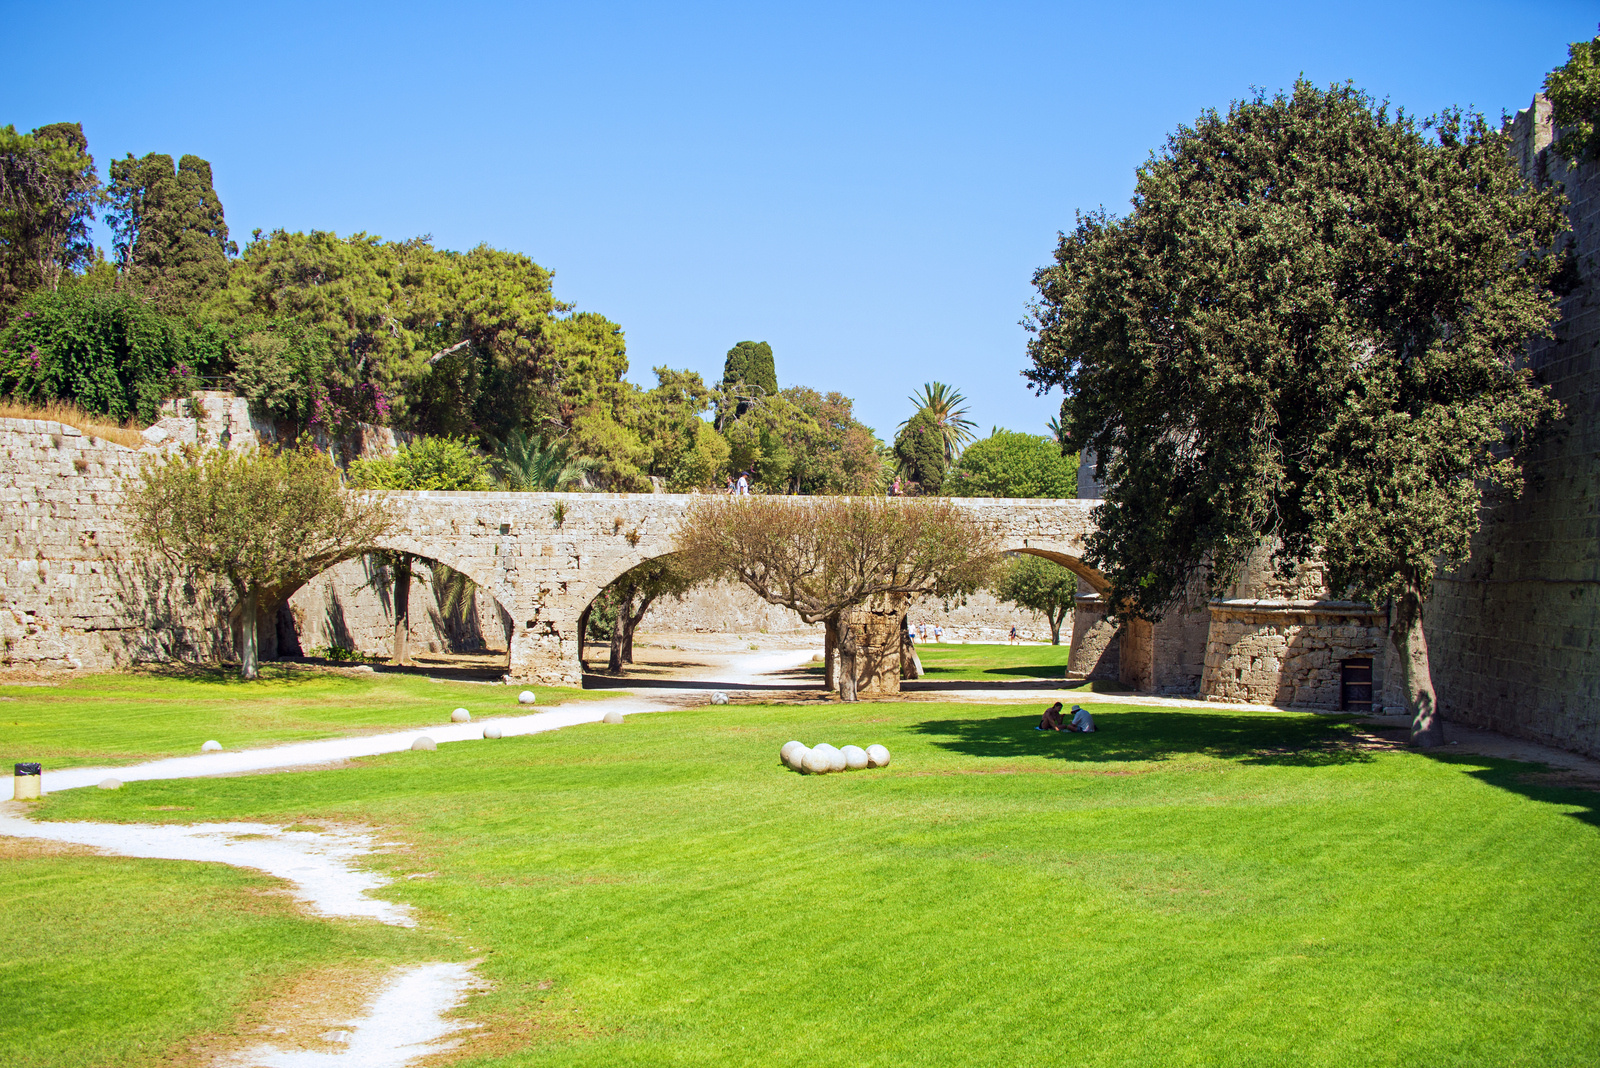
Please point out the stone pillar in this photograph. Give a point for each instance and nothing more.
(545, 651)
(1138, 654)
(1096, 652)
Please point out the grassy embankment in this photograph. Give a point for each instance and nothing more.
(122, 717)
(1185, 887)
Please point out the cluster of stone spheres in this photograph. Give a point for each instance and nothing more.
(823, 759)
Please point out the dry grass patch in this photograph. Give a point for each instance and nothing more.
(126, 434)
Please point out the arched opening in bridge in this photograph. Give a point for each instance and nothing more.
(454, 624)
(632, 634)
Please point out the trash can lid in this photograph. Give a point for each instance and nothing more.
(28, 769)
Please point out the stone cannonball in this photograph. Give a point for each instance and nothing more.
(855, 757)
(835, 758)
(719, 698)
(110, 784)
(212, 746)
(786, 754)
(491, 732)
(461, 715)
(424, 744)
(816, 761)
(877, 756)
(613, 717)
(526, 697)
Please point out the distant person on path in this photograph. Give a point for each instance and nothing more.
(1081, 720)
(938, 633)
(743, 489)
(895, 492)
(730, 484)
(1013, 634)
(1051, 720)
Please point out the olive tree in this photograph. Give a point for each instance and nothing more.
(1307, 333)
(264, 521)
(823, 556)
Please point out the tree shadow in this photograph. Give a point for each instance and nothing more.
(1537, 782)
(1158, 734)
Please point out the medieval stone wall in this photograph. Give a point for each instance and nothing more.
(75, 592)
(1514, 633)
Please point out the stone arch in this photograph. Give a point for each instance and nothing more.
(1093, 578)
(332, 624)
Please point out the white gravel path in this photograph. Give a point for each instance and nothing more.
(404, 1023)
(746, 669)
(319, 866)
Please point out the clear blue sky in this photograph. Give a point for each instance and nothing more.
(869, 187)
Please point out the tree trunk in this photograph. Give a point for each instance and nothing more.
(634, 620)
(830, 653)
(402, 609)
(248, 665)
(1056, 619)
(1405, 632)
(583, 635)
(619, 631)
(847, 661)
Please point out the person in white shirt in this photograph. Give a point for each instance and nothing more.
(744, 485)
(1081, 720)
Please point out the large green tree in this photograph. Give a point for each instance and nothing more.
(1574, 93)
(168, 229)
(1012, 464)
(919, 449)
(1307, 332)
(48, 193)
(947, 409)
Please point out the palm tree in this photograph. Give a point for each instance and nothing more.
(948, 409)
(527, 465)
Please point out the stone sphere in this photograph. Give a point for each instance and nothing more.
(855, 757)
(877, 756)
(212, 746)
(110, 784)
(491, 732)
(719, 698)
(526, 697)
(816, 762)
(461, 715)
(424, 744)
(787, 753)
(613, 717)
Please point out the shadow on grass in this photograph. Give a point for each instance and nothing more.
(1140, 735)
(1537, 782)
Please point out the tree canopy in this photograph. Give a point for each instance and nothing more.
(919, 449)
(1307, 332)
(48, 193)
(1574, 93)
(170, 237)
(1048, 588)
(1012, 464)
(264, 521)
(824, 556)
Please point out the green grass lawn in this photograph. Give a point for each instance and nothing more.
(122, 717)
(992, 663)
(1186, 887)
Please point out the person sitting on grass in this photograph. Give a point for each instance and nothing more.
(1081, 720)
(1051, 720)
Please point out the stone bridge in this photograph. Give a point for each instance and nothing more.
(545, 556)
